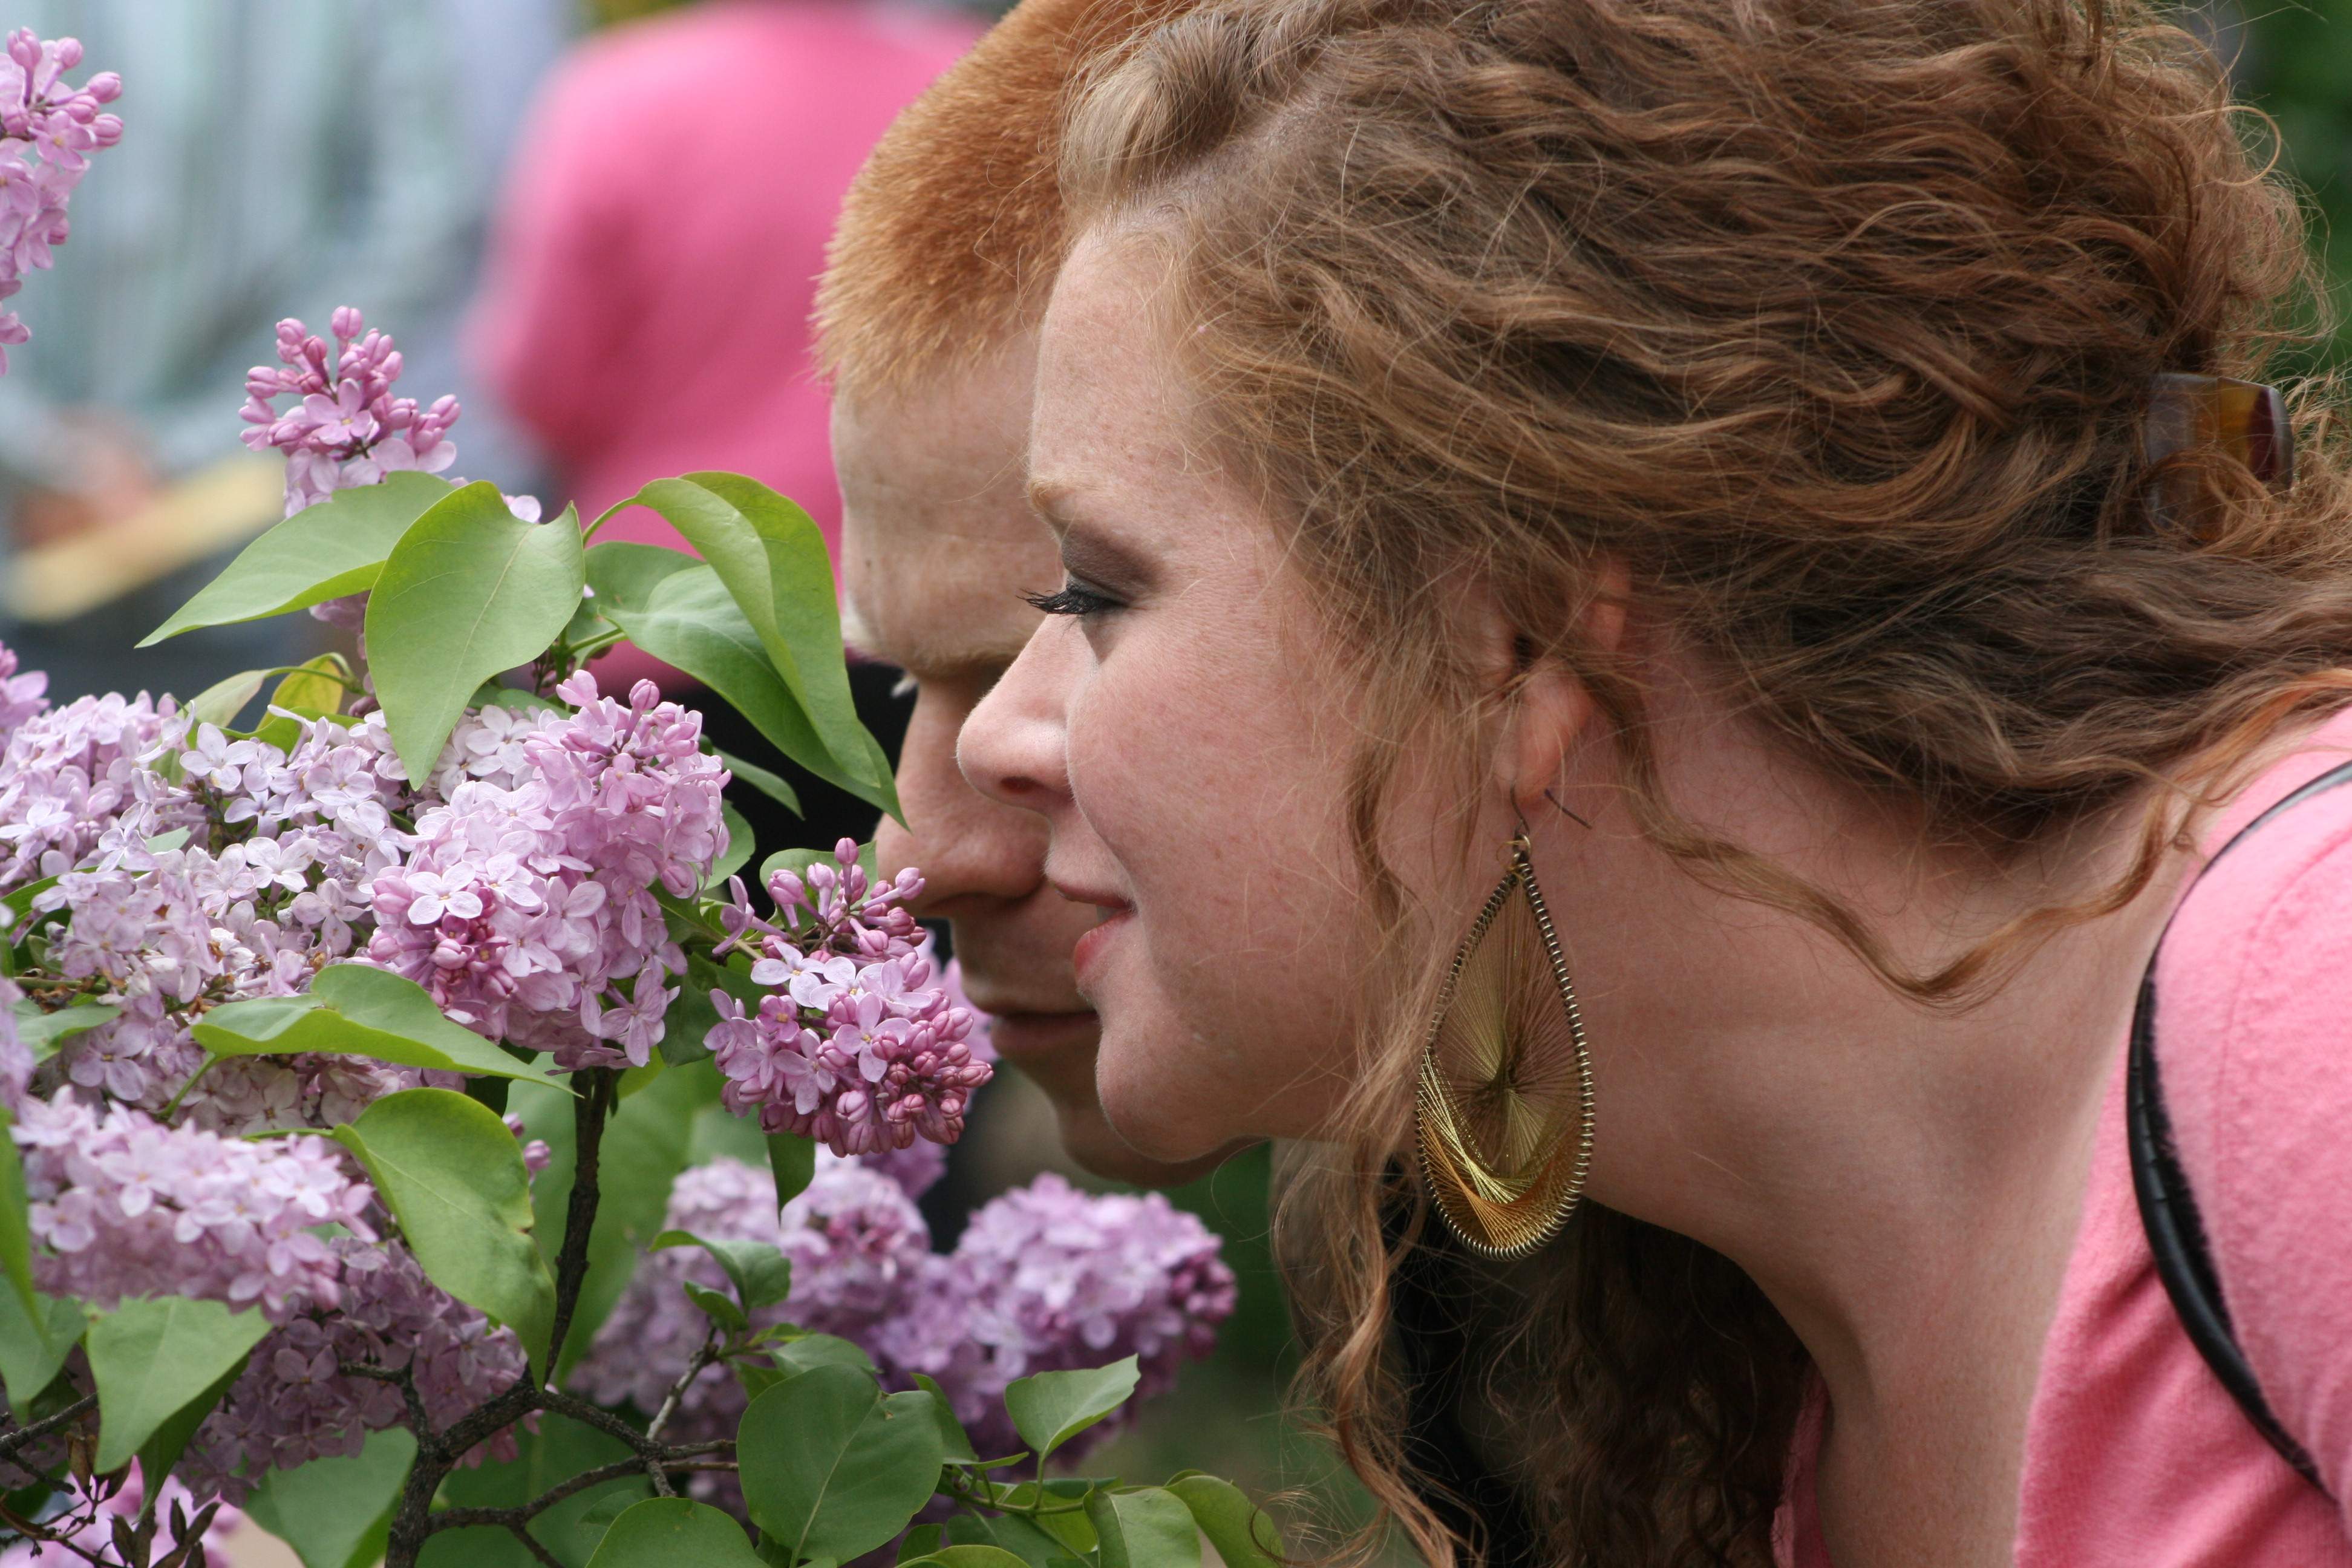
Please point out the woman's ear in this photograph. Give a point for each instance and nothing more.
(1551, 708)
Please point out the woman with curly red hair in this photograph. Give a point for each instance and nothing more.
(1665, 600)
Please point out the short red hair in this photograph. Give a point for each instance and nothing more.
(951, 234)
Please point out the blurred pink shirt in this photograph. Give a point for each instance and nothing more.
(645, 308)
(2135, 1456)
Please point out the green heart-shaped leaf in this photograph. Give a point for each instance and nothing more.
(1144, 1527)
(321, 552)
(469, 592)
(154, 1357)
(1244, 1534)
(833, 1469)
(336, 1512)
(453, 1176)
(355, 1010)
(34, 1346)
(1052, 1407)
(761, 1275)
(673, 1532)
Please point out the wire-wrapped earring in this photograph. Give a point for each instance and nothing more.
(1504, 1106)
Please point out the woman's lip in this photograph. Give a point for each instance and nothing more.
(1089, 946)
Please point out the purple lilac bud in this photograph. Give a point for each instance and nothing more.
(855, 1047)
(46, 132)
(347, 429)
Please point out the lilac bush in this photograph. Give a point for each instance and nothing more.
(1045, 1278)
(348, 1060)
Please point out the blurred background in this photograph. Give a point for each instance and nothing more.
(598, 223)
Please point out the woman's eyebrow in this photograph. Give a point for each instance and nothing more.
(1095, 554)
(1048, 498)
(1089, 549)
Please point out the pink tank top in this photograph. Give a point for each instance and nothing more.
(2135, 1456)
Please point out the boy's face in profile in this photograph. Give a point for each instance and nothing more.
(938, 546)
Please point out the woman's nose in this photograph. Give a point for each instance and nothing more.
(1012, 746)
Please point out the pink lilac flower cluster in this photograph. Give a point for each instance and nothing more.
(68, 775)
(1049, 1279)
(857, 1246)
(291, 854)
(855, 1047)
(175, 1505)
(1045, 1278)
(857, 1242)
(347, 428)
(21, 697)
(161, 933)
(123, 1205)
(48, 131)
(523, 902)
(526, 905)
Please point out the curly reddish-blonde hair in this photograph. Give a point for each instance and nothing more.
(1832, 323)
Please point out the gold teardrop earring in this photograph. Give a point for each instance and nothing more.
(1504, 1105)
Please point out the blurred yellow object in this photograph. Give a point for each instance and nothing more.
(209, 510)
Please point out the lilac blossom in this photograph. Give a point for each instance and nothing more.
(856, 1243)
(1047, 1278)
(15, 1057)
(21, 697)
(69, 773)
(48, 131)
(346, 428)
(293, 1405)
(854, 1047)
(526, 905)
(124, 1206)
(854, 1237)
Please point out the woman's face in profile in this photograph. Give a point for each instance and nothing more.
(1176, 722)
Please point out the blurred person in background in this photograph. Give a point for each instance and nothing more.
(646, 306)
(289, 157)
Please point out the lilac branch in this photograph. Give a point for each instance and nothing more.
(19, 1439)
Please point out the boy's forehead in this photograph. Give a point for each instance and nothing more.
(938, 541)
(936, 587)
(937, 602)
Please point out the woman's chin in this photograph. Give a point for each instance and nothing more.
(1150, 1115)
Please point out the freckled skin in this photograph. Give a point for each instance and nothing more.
(1176, 746)
(938, 546)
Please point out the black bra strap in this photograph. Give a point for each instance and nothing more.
(2168, 1212)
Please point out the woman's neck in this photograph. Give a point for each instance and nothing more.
(1903, 1182)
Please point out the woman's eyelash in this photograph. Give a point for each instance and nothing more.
(1071, 599)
